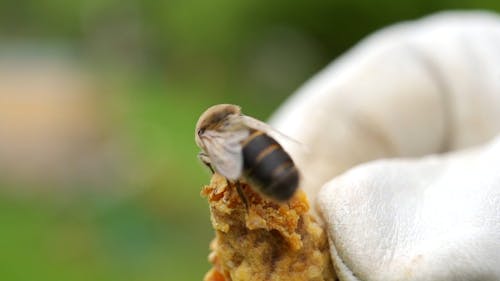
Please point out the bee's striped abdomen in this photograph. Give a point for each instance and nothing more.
(268, 165)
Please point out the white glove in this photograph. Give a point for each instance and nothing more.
(414, 89)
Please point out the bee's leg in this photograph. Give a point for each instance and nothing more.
(241, 194)
(206, 160)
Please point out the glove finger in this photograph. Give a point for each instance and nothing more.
(437, 218)
(410, 90)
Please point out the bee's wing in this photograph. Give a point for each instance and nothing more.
(224, 150)
(261, 126)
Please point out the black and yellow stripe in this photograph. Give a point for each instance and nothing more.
(269, 166)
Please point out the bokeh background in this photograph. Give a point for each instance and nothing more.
(99, 178)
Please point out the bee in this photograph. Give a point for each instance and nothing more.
(235, 146)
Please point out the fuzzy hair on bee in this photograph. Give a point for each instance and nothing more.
(235, 146)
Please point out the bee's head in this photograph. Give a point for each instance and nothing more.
(214, 118)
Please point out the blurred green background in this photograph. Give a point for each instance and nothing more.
(98, 101)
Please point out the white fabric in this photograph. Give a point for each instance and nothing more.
(411, 90)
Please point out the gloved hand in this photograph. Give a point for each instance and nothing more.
(429, 87)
